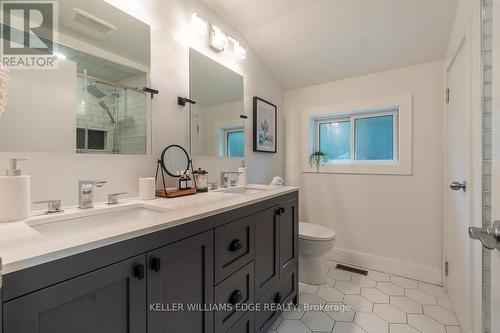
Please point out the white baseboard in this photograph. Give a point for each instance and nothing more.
(391, 266)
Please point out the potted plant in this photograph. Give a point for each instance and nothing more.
(318, 159)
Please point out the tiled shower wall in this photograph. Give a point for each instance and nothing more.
(487, 16)
(90, 115)
(131, 115)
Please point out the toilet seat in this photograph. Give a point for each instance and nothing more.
(315, 232)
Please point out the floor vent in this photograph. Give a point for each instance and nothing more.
(352, 269)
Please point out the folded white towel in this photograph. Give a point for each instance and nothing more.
(278, 181)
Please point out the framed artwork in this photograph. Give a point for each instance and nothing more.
(265, 122)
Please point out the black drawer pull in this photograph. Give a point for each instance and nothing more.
(156, 264)
(139, 271)
(236, 297)
(279, 211)
(278, 298)
(235, 245)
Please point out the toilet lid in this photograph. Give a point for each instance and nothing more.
(315, 232)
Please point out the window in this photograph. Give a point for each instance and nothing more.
(372, 137)
(359, 137)
(96, 139)
(234, 142)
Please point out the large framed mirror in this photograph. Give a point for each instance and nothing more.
(217, 128)
(93, 102)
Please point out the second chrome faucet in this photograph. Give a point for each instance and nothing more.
(86, 193)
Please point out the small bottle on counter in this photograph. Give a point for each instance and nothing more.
(243, 174)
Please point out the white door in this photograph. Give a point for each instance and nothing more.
(195, 135)
(457, 249)
(495, 212)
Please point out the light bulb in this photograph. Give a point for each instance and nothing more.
(198, 23)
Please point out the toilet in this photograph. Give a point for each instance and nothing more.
(314, 242)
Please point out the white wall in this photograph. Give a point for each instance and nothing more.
(387, 222)
(55, 176)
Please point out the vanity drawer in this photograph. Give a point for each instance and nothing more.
(245, 325)
(237, 289)
(234, 247)
(283, 292)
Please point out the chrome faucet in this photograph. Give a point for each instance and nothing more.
(489, 236)
(224, 177)
(86, 192)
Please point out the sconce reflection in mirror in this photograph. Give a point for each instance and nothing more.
(150, 91)
(183, 100)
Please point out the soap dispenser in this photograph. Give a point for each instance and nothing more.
(243, 174)
(13, 171)
(15, 194)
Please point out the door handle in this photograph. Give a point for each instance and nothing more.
(156, 264)
(457, 186)
(139, 271)
(489, 236)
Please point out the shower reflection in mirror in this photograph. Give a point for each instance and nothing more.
(110, 110)
(93, 101)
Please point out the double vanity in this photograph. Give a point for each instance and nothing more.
(216, 262)
(220, 261)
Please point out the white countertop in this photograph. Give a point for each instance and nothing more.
(45, 238)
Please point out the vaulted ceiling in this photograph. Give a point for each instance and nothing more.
(305, 42)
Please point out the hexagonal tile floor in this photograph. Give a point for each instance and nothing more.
(377, 303)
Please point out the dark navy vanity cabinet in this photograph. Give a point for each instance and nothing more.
(246, 256)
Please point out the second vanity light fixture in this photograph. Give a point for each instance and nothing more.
(218, 40)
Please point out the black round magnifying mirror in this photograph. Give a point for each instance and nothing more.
(174, 160)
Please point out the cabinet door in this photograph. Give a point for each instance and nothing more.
(245, 325)
(272, 303)
(181, 275)
(289, 235)
(266, 250)
(109, 300)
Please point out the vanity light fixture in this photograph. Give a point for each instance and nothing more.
(60, 56)
(199, 23)
(240, 52)
(218, 40)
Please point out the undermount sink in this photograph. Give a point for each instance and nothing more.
(73, 222)
(243, 190)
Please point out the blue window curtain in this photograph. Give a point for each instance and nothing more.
(235, 144)
(374, 138)
(335, 140)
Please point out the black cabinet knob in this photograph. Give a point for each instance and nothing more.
(278, 298)
(236, 297)
(155, 264)
(282, 210)
(279, 211)
(139, 271)
(235, 245)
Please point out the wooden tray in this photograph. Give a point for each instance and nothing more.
(175, 193)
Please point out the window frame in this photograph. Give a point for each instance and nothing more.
(402, 164)
(351, 117)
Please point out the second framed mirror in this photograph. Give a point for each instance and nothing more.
(216, 126)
